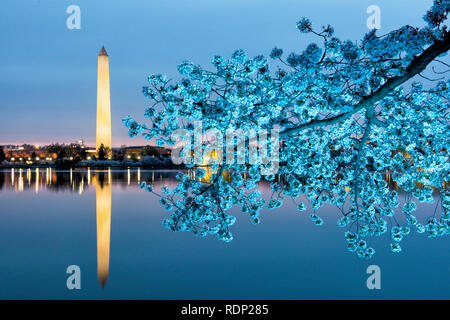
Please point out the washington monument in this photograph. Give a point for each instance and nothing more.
(103, 102)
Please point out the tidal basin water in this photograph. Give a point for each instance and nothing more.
(101, 221)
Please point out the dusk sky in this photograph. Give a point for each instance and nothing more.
(49, 73)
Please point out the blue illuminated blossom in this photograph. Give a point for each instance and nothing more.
(304, 25)
(353, 134)
(276, 53)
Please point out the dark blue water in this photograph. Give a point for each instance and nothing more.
(49, 225)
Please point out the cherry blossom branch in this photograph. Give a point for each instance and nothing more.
(417, 65)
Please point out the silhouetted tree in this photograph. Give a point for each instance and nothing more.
(2, 154)
(150, 151)
(75, 151)
(61, 154)
(102, 152)
(118, 154)
(57, 148)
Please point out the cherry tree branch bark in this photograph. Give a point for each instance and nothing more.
(417, 65)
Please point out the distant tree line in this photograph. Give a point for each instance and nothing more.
(75, 151)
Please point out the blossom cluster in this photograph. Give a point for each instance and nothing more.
(362, 165)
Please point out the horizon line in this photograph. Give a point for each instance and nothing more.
(74, 142)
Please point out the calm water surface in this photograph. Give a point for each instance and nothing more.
(101, 221)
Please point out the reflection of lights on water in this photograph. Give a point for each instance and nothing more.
(78, 178)
(37, 180)
(81, 187)
(20, 180)
(139, 175)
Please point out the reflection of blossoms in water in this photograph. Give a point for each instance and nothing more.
(348, 132)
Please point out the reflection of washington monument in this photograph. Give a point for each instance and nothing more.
(103, 208)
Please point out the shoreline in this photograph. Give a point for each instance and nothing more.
(85, 166)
